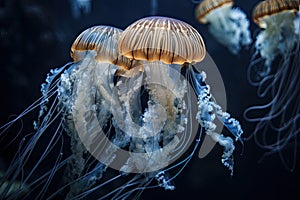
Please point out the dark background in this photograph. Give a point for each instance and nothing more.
(36, 36)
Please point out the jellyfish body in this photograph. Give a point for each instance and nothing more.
(228, 25)
(188, 49)
(279, 34)
(124, 104)
(277, 80)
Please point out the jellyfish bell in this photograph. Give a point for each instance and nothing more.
(228, 25)
(262, 13)
(99, 39)
(203, 10)
(274, 70)
(160, 38)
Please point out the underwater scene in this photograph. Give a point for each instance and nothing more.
(150, 99)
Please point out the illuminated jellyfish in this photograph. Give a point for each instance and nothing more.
(124, 105)
(94, 53)
(168, 43)
(228, 25)
(274, 70)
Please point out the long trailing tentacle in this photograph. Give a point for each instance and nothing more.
(208, 109)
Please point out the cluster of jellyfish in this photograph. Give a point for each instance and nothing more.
(274, 70)
(125, 109)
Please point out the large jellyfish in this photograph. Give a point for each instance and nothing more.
(124, 104)
(274, 70)
(228, 25)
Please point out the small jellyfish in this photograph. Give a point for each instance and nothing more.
(228, 25)
(274, 70)
(279, 22)
(153, 7)
(80, 7)
(122, 104)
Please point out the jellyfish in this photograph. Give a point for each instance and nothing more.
(228, 25)
(153, 7)
(159, 49)
(274, 70)
(130, 105)
(94, 53)
(80, 7)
